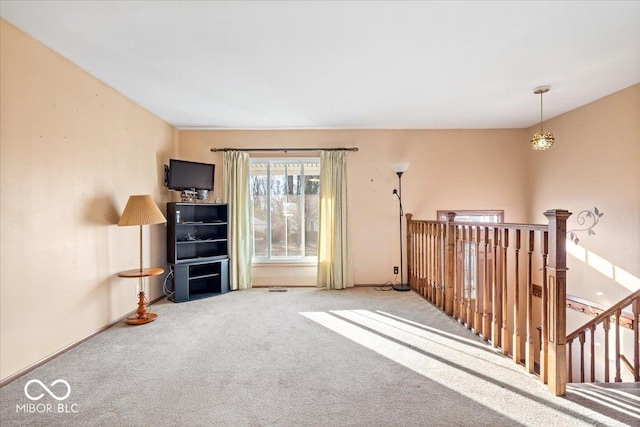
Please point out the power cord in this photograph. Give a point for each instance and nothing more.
(388, 285)
(166, 291)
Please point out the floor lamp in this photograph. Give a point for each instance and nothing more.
(400, 168)
(141, 210)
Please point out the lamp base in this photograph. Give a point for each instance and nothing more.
(401, 288)
(135, 320)
(141, 315)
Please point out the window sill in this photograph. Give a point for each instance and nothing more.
(266, 263)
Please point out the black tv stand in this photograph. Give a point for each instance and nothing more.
(197, 249)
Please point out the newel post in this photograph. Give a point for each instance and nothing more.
(449, 257)
(410, 259)
(556, 308)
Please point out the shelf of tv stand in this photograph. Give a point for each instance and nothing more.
(204, 276)
(201, 223)
(179, 242)
(201, 260)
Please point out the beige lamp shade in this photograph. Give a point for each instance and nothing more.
(141, 210)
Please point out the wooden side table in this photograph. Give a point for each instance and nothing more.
(142, 315)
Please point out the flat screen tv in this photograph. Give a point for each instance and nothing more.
(184, 175)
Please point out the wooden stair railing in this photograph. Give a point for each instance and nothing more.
(607, 318)
(474, 273)
(594, 309)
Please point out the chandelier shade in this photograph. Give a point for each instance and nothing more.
(542, 140)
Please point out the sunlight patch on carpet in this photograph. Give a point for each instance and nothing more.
(450, 361)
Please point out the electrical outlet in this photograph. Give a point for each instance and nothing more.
(395, 269)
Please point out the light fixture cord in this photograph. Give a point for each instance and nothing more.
(541, 130)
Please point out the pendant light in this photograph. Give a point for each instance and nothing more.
(542, 140)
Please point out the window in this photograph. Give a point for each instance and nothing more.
(285, 195)
(469, 249)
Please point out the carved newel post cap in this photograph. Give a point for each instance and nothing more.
(558, 213)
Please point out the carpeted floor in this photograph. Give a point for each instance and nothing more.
(305, 357)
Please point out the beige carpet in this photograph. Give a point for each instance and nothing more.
(305, 357)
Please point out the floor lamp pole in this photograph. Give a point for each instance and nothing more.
(401, 287)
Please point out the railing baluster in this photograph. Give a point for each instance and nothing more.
(504, 335)
(486, 320)
(477, 320)
(435, 247)
(456, 274)
(544, 344)
(636, 339)
(439, 285)
(412, 254)
(581, 339)
(422, 254)
(529, 356)
(606, 326)
(469, 279)
(618, 377)
(460, 272)
(417, 254)
(424, 235)
(442, 272)
(424, 291)
(426, 239)
(516, 301)
(430, 276)
(592, 373)
(435, 238)
(570, 369)
(495, 303)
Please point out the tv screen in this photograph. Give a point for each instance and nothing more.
(184, 175)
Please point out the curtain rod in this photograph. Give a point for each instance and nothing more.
(285, 149)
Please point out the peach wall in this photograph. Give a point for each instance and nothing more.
(72, 150)
(595, 162)
(450, 169)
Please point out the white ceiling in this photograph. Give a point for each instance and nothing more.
(345, 65)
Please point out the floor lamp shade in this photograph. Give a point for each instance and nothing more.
(141, 210)
(399, 167)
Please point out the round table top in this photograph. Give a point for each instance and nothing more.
(145, 272)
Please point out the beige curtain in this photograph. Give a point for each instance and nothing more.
(334, 259)
(236, 194)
